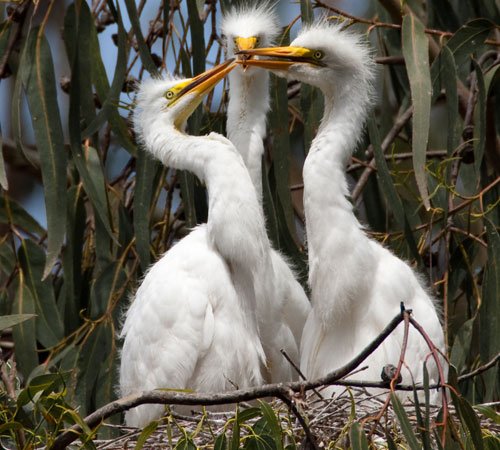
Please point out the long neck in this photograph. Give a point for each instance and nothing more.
(235, 220)
(235, 224)
(246, 118)
(338, 250)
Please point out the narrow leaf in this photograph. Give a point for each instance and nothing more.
(404, 421)
(49, 326)
(144, 52)
(358, 437)
(469, 419)
(3, 175)
(145, 169)
(273, 423)
(387, 187)
(479, 118)
(37, 71)
(14, 319)
(416, 55)
(24, 334)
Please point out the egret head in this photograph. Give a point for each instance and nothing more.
(322, 54)
(175, 99)
(248, 26)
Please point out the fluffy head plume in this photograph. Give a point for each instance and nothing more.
(248, 19)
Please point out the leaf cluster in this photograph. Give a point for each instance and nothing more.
(425, 179)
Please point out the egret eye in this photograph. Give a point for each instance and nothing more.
(169, 95)
(257, 41)
(235, 41)
(318, 54)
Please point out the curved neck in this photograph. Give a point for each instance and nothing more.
(235, 221)
(246, 119)
(337, 246)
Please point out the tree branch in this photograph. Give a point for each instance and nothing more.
(279, 390)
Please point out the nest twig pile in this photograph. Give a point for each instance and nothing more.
(330, 422)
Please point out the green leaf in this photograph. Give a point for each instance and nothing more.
(400, 412)
(185, 443)
(416, 55)
(248, 414)
(37, 72)
(46, 383)
(387, 187)
(461, 345)
(145, 433)
(92, 354)
(234, 443)
(100, 81)
(24, 334)
(49, 326)
(13, 319)
(144, 53)
(221, 442)
(105, 289)
(7, 258)
(281, 148)
(469, 419)
(72, 259)
(489, 334)
(273, 423)
(488, 412)
(449, 80)
(462, 44)
(479, 118)
(3, 175)
(197, 39)
(11, 210)
(358, 437)
(113, 95)
(146, 169)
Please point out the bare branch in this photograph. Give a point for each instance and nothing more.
(280, 390)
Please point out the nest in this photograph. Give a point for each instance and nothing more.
(329, 421)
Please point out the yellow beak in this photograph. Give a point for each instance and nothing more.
(281, 58)
(200, 85)
(247, 43)
(203, 83)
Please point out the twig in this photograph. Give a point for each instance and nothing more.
(176, 398)
(20, 12)
(442, 379)
(480, 369)
(290, 403)
(297, 369)
(395, 26)
(400, 122)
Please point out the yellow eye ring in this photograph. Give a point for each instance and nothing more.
(169, 95)
(318, 54)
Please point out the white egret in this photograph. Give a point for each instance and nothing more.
(287, 307)
(192, 324)
(357, 284)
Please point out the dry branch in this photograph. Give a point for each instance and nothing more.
(278, 390)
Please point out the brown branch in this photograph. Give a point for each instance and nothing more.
(288, 400)
(442, 378)
(20, 14)
(399, 123)
(297, 369)
(270, 390)
(480, 369)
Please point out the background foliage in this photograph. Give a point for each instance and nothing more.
(424, 179)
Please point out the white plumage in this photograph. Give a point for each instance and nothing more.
(192, 324)
(282, 306)
(357, 285)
